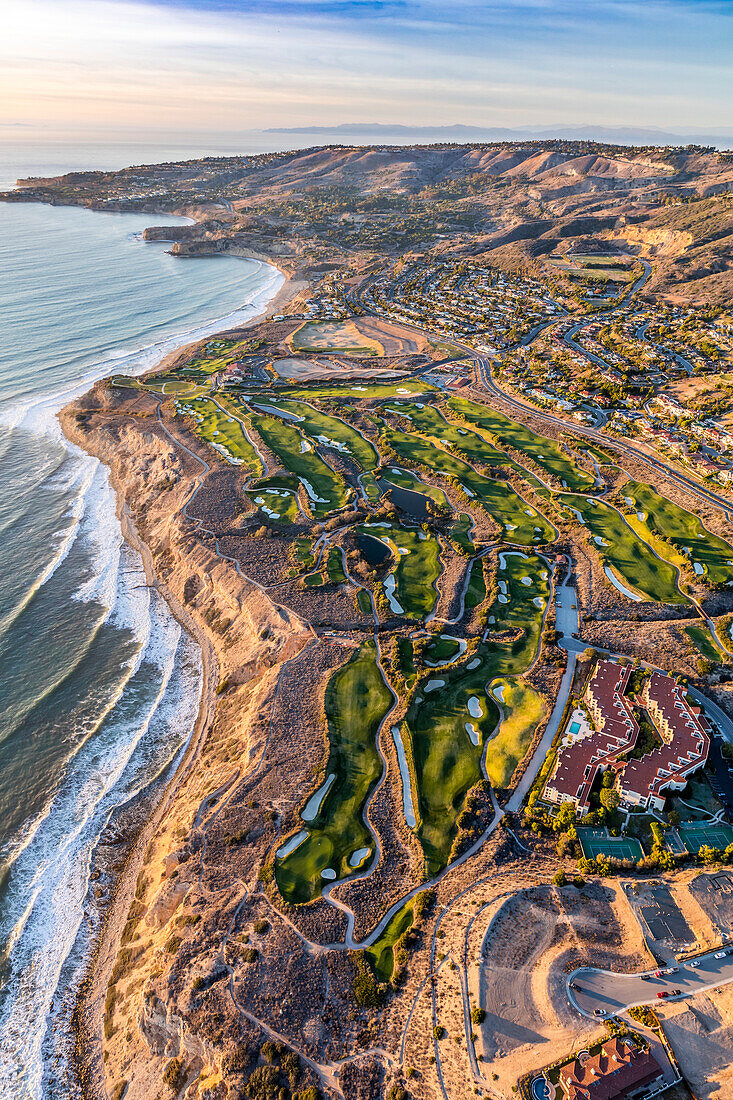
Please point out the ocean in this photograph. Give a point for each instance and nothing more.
(99, 687)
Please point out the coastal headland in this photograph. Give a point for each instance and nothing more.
(400, 541)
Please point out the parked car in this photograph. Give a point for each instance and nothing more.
(695, 962)
(720, 954)
(676, 993)
(646, 977)
(663, 993)
(599, 1012)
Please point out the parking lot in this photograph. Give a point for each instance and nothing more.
(659, 915)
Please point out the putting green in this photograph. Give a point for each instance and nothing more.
(357, 700)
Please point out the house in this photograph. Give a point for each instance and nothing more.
(621, 1070)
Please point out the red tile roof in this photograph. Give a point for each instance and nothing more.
(619, 1068)
(685, 732)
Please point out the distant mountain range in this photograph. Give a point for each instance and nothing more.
(612, 135)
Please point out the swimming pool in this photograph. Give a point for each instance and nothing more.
(574, 727)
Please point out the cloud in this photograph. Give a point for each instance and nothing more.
(235, 64)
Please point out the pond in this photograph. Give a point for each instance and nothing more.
(407, 500)
(374, 550)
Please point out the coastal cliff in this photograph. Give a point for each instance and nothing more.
(130, 1027)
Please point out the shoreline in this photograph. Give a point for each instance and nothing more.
(87, 1014)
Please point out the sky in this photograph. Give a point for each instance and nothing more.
(116, 68)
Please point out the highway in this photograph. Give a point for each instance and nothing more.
(594, 991)
(483, 365)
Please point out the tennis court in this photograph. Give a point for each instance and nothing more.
(694, 837)
(597, 842)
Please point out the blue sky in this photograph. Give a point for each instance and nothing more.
(224, 66)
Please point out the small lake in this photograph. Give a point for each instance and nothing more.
(374, 550)
(407, 500)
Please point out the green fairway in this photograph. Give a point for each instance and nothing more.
(545, 452)
(338, 842)
(523, 711)
(276, 497)
(708, 555)
(431, 422)
(410, 586)
(381, 953)
(703, 642)
(222, 431)
(326, 490)
(330, 431)
(638, 567)
(520, 522)
(451, 716)
(356, 391)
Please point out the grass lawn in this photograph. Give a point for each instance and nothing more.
(326, 489)
(545, 452)
(520, 522)
(411, 589)
(447, 728)
(636, 564)
(330, 431)
(356, 702)
(220, 430)
(684, 530)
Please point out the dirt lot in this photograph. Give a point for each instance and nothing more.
(327, 370)
(523, 951)
(700, 1032)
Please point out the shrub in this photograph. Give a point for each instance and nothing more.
(173, 944)
(174, 1074)
(250, 954)
(579, 882)
(261, 927)
(365, 987)
(560, 878)
(119, 1090)
(478, 1015)
(438, 1032)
